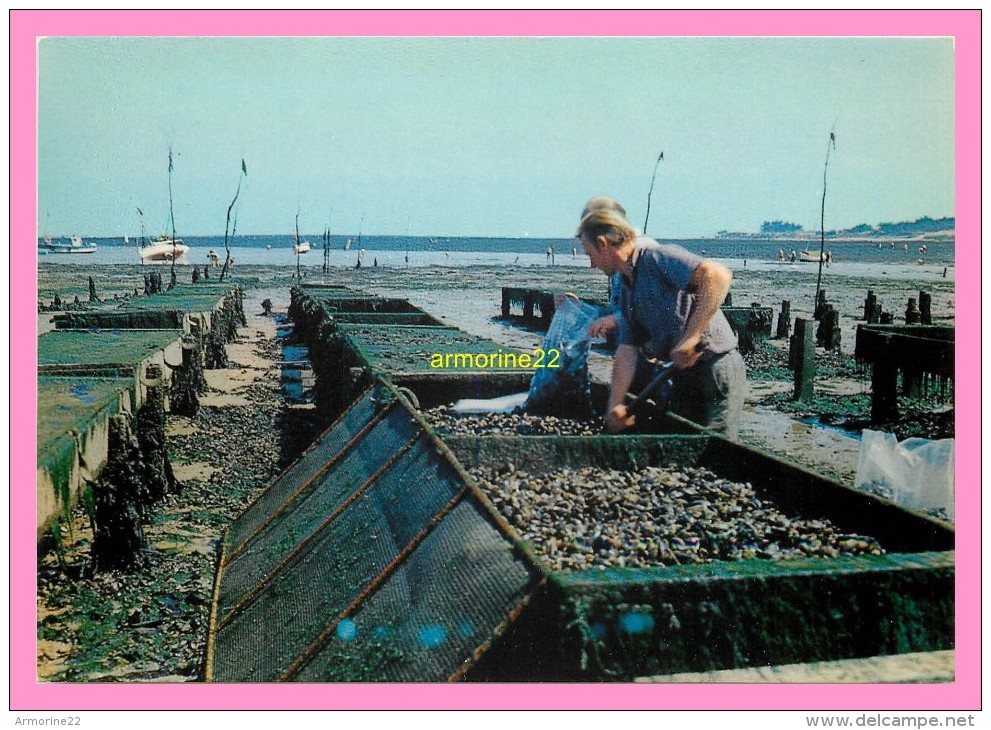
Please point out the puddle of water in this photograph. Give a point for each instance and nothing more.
(296, 376)
(828, 450)
(851, 431)
(295, 353)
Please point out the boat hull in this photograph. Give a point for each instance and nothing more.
(163, 252)
(70, 249)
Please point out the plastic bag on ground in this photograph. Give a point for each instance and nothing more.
(502, 404)
(916, 473)
(565, 390)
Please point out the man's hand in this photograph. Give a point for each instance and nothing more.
(687, 352)
(603, 326)
(559, 297)
(617, 419)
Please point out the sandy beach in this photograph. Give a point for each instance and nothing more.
(151, 626)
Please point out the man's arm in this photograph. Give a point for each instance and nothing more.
(623, 370)
(710, 281)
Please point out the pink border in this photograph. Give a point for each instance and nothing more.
(27, 26)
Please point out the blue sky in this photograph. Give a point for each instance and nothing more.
(490, 136)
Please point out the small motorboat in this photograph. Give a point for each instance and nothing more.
(75, 244)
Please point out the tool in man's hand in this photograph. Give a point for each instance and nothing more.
(665, 371)
(662, 383)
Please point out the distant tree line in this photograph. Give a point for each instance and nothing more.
(779, 227)
(906, 228)
(920, 225)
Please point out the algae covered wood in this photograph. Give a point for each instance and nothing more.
(73, 428)
(67, 348)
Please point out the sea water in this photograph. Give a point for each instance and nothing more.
(415, 251)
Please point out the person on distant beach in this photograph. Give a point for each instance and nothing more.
(792, 256)
(669, 309)
(781, 255)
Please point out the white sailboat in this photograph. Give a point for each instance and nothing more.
(164, 249)
(300, 246)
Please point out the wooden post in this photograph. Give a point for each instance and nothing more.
(830, 328)
(784, 320)
(925, 308)
(118, 537)
(528, 304)
(185, 380)
(546, 308)
(159, 478)
(884, 384)
(869, 303)
(215, 351)
(805, 360)
(912, 314)
(505, 303)
(820, 304)
(821, 329)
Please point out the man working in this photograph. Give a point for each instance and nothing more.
(668, 307)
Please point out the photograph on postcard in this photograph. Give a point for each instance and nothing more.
(496, 359)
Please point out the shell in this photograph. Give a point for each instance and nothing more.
(588, 518)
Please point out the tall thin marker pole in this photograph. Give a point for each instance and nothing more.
(651, 192)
